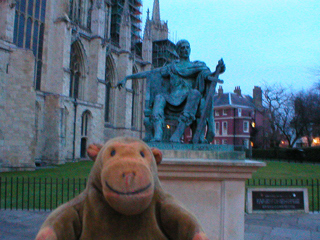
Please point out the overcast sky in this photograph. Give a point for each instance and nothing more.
(259, 40)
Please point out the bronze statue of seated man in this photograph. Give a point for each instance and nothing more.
(188, 86)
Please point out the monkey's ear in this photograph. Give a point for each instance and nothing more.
(93, 150)
(157, 155)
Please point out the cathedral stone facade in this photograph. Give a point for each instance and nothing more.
(59, 64)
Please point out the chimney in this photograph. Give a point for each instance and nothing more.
(237, 90)
(257, 96)
(220, 91)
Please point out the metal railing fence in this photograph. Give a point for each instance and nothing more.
(48, 193)
(38, 193)
(313, 186)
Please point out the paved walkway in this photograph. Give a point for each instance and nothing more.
(282, 226)
(24, 225)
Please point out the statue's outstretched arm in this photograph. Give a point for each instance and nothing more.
(220, 68)
(139, 75)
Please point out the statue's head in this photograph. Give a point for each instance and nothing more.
(183, 48)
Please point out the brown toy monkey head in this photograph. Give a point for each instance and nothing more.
(127, 170)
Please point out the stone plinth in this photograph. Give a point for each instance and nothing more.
(190, 154)
(214, 190)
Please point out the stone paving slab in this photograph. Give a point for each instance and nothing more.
(24, 225)
(291, 233)
(282, 226)
(315, 235)
(262, 222)
(258, 229)
(20, 225)
(268, 237)
(253, 236)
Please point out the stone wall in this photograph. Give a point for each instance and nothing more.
(17, 118)
(45, 125)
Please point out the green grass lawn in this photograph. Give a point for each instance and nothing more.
(82, 170)
(47, 188)
(286, 170)
(68, 170)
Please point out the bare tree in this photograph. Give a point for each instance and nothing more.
(280, 104)
(272, 102)
(307, 112)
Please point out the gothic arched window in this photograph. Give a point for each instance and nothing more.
(110, 79)
(135, 101)
(37, 121)
(75, 70)
(80, 12)
(85, 124)
(64, 126)
(29, 30)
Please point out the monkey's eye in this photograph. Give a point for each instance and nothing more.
(113, 152)
(142, 154)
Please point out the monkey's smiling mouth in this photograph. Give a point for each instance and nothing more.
(129, 193)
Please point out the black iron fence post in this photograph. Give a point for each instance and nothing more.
(47, 194)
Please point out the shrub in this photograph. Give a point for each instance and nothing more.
(311, 154)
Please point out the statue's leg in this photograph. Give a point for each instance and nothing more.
(157, 117)
(149, 129)
(202, 134)
(200, 110)
(188, 115)
(210, 124)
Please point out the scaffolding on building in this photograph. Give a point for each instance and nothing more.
(163, 52)
(135, 17)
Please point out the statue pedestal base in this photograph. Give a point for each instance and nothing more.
(214, 190)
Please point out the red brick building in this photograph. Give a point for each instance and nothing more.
(239, 119)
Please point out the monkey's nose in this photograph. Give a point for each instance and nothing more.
(128, 177)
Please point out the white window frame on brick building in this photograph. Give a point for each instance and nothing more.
(216, 112)
(239, 112)
(217, 128)
(246, 126)
(224, 128)
(246, 143)
(224, 112)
